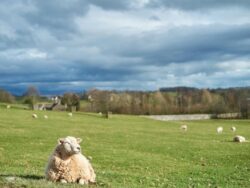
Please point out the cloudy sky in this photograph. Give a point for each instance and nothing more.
(71, 45)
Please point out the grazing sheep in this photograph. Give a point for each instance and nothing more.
(46, 117)
(239, 139)
(34, 116)
(70, 114)
(8, 106)
(219, 130)
(184, 127)
(233, 129)
(68, 165)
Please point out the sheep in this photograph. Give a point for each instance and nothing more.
(239, 139)
(70, 114)
(68, 165)
(34, 116)
(219, 130)
(233, 129)
(183, 127)
(8, 106)
(45, 117)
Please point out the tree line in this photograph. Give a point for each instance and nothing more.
(180, 100)
(177, 100)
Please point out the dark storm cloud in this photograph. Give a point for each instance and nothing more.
(63, 45)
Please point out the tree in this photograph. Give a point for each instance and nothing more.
(6, 96)
(32, 91)
(71, 99)
(31, 96)
(100, 101)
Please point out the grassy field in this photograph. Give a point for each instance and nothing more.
(126, 151)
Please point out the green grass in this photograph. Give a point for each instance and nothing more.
(127, 151)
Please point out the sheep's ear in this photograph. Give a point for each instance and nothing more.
(78, 140)
(60, 140)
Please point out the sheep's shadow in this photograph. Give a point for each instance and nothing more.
(27, 177)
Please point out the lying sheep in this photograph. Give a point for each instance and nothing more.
(233, 129)
(219, 130)
(68, 165)
(34, 116)
(45, 117)
(184, 127)
(239, 138)
(70, 114)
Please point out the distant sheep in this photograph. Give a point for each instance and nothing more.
(8, 106)
(45, 117)
(34, 116)
(70, 114)
(184, 127)
(239, 139)
(68, 165)
(233, 129)
(219, 130)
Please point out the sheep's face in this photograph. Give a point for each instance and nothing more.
(71, 145)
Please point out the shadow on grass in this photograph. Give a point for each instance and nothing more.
(28, 177)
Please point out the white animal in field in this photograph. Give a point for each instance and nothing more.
(239, 138)
(233, 129)
(45, 117)
(34, 116)
(68, 165)
(70, 114)
(8, 106)
(219, 130)
(184, 127)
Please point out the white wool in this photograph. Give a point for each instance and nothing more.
(184, 127)
(34, 115)
(219, 129)
(46, 117)
(233, 129)
(70, 114)
(68, 165)
(239, 138)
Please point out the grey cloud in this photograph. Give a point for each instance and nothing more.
(111, 4)
(197, 4)
(188, 44)
(42, 45)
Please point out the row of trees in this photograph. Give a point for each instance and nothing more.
(169, 102)
(180, 100)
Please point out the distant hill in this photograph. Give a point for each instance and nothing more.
(178, 89)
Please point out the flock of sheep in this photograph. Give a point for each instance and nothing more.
(68, 165)
(219, 130)
(46, 117)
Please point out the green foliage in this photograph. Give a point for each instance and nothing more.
(126, 151)
(71, 99)
(30, 100)
(6, 97)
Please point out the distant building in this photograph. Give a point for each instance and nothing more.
(55, 105)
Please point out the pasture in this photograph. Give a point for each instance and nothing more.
(126, 151)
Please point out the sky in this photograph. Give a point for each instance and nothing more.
(74, 45)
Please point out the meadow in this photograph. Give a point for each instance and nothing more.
(126, 151)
